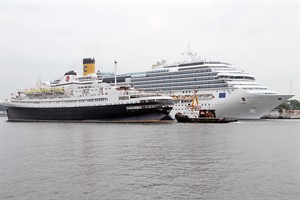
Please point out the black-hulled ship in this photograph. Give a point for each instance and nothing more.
(68, 99)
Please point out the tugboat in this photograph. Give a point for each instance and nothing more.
(68, 99)
(196, 115)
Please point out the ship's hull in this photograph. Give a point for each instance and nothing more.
(107, 113)
(237, 103)
(255, 107)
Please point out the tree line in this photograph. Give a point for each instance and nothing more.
(290, 105)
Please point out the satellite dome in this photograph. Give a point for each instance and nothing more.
(94, 76)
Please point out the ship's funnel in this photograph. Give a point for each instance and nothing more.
(88, 66)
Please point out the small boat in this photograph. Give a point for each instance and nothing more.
(195, 114)
(186, 119)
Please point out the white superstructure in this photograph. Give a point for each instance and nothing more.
(219, 86)
(90, 100)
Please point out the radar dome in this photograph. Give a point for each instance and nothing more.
(94, 76)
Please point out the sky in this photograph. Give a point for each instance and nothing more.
(44, 39)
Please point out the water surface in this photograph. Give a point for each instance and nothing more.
(243, 160)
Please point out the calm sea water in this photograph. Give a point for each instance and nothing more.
(243, 160)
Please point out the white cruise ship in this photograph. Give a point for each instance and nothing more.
(220, 86)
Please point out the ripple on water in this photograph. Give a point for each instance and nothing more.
(246, 160)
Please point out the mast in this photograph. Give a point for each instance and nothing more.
(115, 74)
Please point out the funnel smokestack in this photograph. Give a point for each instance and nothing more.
(88, 66)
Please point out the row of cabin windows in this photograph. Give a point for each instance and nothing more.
(178, 105)
(237, 77)
(187, 71)
(184, 88)
(92, 100)
(157, 71)
(85, 90)
(124, 98)
(174, 76)
(207, 83)
(174, 80)
(68, 101)
(245, 88)
(226, 69)
(179, 72)
(154, 85)
(193, 68)
(82, 87)
(139, 75)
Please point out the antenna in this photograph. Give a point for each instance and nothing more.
(190, 55)
(115, 74)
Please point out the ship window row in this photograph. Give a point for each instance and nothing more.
(142, 74)
(209, 62)
(124, 98)
(183, 84)
(84, 87)
(176, 73)
(185, 88)
(237, 77)
(84, 90)
(190, 64)
(158, 71)
(179, 72)
(172, 77)
(254, 88)
(193, 68)
(88, 100)
(224, 69)
(203, 63)
(178, 84)
(66, 101)
(183, 107)
(172, 81)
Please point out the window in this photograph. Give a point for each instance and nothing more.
(123, 98)
(222, 95)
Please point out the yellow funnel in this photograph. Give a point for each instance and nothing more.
(88, 66)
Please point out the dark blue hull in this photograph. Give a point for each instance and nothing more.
(118, 113)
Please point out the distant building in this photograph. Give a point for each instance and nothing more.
(2, 110)
(283, 114)
(2, 107)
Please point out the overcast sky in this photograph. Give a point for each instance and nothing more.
(44, 39)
